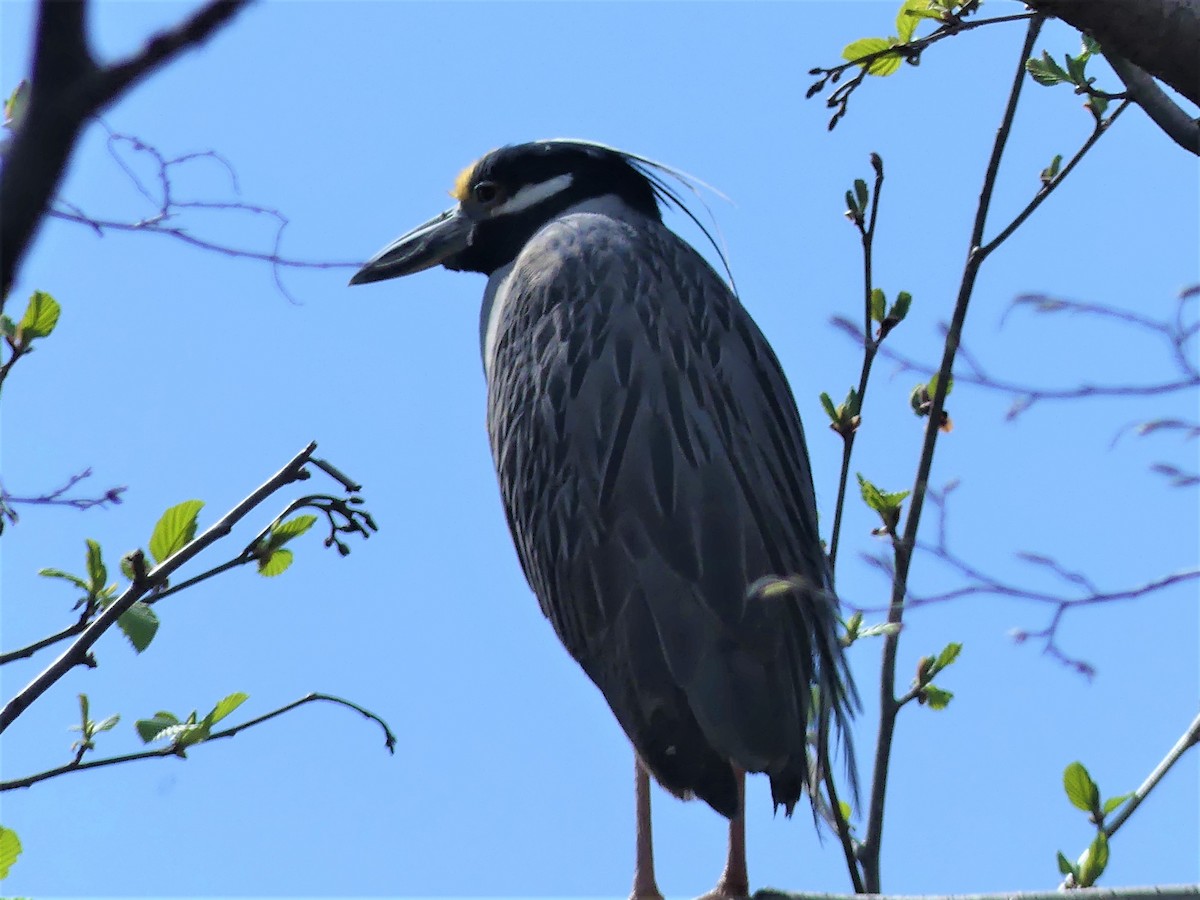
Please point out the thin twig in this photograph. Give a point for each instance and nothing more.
(870, 347)
(175, 750)
(1190, 738)
(78, 651)
(67, 89)
(903, 547)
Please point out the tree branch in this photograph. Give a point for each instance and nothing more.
(77, 765)
(904, 546)
(77, 653)
(870, 347)
(1189, 739)
(1162, 110)
(68, 88)
(1158, 36)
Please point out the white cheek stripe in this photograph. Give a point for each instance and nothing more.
(532, 195)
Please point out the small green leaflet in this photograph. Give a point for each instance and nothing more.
(878, 305)
(293, 527)
(1046, 71)
(1081, 790)
(1094, 861)
(10, 849)
(1065, 866)
(948, 655)
(276, 564)
(41, 315)
(936, 698)
(175, 529)
(149, 729)
(1113, 802)
(165, 726)
(886, 64)
(139, 624)
(97, 571)
(880, 501)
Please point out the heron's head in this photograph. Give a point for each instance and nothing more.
(507, 195)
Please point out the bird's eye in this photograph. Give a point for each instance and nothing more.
(485, 192)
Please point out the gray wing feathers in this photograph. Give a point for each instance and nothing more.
(651, 461)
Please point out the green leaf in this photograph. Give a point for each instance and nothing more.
(881, 628)
(175, 529)
(846, 810)
(1094, 861)
(827, 405)
(948, 655)
(8, 328)
(1090, 46)
(1046, 71)
(127, 565)
(292, 528)
(97, 571)
(860, 193)
(883, 65)
(933, 384)
(1113, 802)
(1081, 790)
(185, 734)
(150, 729)
(10, 849)
(65, 576)
(1066, 867)
(275, 564)
(83, 711)
(935, 697)
(106, 724)
(139, 624)
(871, 495)
(1051, 171)
(41, 315)
(1076, 67)
(14, 113)
(878, 304)
(911, 12)
(900, 308)
(225, 707)
(1098, 106)
(851, 404)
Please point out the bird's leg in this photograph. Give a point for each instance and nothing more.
(735, 882)
(644, 885)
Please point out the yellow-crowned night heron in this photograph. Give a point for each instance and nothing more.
(653, 468)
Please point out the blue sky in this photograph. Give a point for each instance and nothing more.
(185, 374)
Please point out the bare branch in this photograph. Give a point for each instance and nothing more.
(1083, 591)
(1176, 332)
(56, 498)
(67, 89)
(1162, 110)
(166, 209)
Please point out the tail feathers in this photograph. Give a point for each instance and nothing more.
(815, 674)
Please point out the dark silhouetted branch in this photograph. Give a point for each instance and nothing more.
(67, 89)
